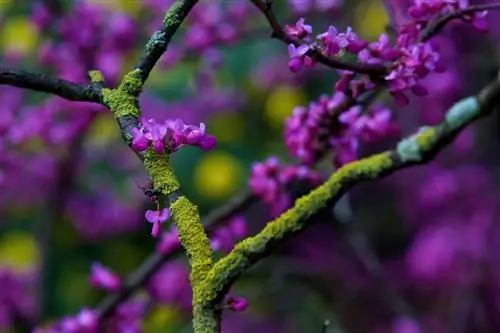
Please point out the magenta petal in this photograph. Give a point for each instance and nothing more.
(194, 137)
(295, 65)
(208, 142)
(140, 143)
(159, 147)
(155, 231)
(151, 216)
(480, 24)
(164, 215)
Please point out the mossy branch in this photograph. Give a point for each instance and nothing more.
(159, 41)
(414, 150)
(123, 103)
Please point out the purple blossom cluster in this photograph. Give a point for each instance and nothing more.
(313, 131)
(224, 237)
(303, 7)
(407, 61)
(127, 319)
(16, 297)
(271, 181)
(169, 136)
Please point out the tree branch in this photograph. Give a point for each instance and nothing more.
(154, 262)
(159, 41)
(435, 27)
(279, 33)
(414, 150)
(123, 103)
(51, 84)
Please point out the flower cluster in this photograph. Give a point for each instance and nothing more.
(127, 318)
(224, 237)
(16, 297)
(422, 11)
(271, 182)
(320, 128)
(309, 6)
(169, 136)
(404, 63)
(88, 33)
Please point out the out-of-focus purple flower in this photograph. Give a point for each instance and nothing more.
(269, 181)
(237, 304)
(169, 242)
(103, 277)
(224, 238)
(405, 325)
(170, 285)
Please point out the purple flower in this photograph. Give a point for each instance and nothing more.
(300, 30)
(157, 217)
(169, 242)
(297, 56)
(169, 136)
(331, 41)
(351, 42)
(139, 141)
(103, 277)
(237, 304)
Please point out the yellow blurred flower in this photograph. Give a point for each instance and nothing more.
(280, 104)
(19, 35)
(162, 317)
(216, 175)
(103, 130)
(19, 250)
(4, 4)
(128, 6)
(371, 19)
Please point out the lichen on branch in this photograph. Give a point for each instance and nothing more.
(414, 150)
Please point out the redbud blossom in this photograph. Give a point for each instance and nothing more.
(237, 304)
(157, 217)
(300, 30)
(169, 136)
(169, 242)
(103, 277)
(269, 181)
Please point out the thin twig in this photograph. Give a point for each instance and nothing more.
(435, 27)
(315, 53)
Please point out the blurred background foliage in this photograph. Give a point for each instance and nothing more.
(251, 134)
(208, 178)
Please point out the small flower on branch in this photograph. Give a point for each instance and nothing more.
(236, 304)
(157, 217)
